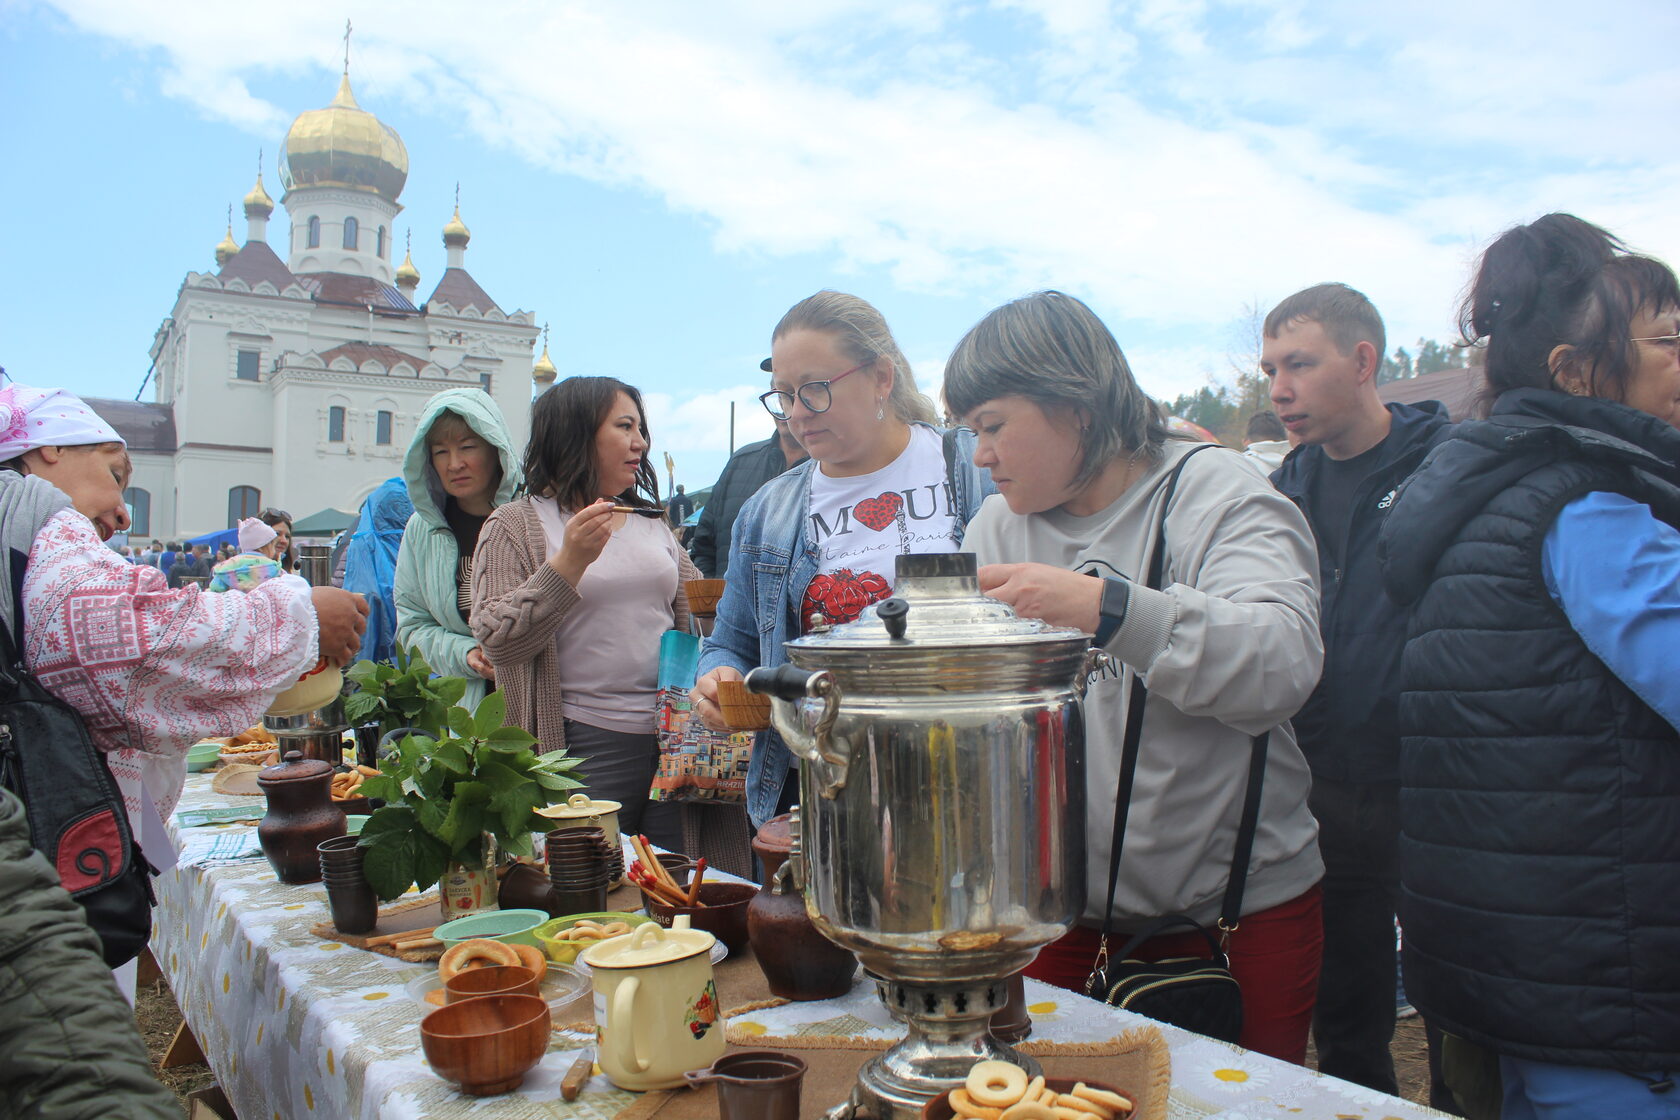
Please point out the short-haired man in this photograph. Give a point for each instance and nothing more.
(1321, 352)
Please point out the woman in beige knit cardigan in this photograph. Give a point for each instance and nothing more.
(570, 597)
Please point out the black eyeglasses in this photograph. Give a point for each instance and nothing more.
(814, 395)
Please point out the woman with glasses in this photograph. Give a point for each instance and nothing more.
(571, 595)
(281, 522)
(819, 543)
(1539, 550)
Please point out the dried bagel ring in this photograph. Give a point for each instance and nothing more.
(1112, 1101)
(996, 1084)
(1080, 1104)
(532, 958)
(1028, 1110)
(459, 957)
(1035, 1089)
(963, 1105)
(613, 929)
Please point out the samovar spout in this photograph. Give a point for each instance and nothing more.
(788, 687)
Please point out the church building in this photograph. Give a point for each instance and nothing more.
(295, 381)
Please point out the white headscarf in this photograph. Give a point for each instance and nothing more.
(31, 418)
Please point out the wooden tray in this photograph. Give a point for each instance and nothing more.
(399, 917)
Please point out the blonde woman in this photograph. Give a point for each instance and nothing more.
(819, 543)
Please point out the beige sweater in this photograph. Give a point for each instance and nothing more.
(518, 601)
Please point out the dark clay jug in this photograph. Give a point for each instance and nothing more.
(301, 815)
(797, 960)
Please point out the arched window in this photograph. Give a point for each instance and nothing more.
(314, 232)
(381, 242)
(243, 502)
(352, 233)
(335, 424)
(139, 510)
(382, 428)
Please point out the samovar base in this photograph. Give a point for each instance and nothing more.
(949, 1030)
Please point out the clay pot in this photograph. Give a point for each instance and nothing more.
(799, 962)
(301, 814)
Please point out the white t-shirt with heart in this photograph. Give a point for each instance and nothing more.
(860, 525)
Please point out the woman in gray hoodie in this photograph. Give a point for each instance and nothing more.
(1228, 647)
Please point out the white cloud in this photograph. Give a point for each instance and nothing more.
(1168, 161)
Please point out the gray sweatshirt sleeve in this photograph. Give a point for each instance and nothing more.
(1234, 634)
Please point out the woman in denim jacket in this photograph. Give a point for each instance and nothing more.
(816, 545)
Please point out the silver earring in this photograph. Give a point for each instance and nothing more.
(880, 410)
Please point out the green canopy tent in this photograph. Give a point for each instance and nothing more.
(325, 523)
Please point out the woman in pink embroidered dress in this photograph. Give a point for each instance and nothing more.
(150, 670)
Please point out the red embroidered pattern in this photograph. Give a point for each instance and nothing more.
(153, 670)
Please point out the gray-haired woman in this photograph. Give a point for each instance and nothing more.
(1228, 647)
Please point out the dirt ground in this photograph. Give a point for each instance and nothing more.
(159, 1018)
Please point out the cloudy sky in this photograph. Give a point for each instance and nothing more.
(658, 181)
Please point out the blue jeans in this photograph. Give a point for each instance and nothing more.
(1542, 1091)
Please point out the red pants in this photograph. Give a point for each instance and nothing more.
(1274, 956)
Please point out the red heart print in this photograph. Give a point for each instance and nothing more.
(878, 513)
(841, 596)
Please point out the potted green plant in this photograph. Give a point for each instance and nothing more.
(451, 801)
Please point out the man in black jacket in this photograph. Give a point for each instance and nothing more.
(1321, 351)
(747, 470)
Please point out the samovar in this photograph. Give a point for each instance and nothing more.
(942, 809)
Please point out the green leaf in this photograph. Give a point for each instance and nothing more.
(430, 815)
(386, 787)
(432, 859)
(449, 690)
(461, 722)
(516, 735)
(466, 815)
(359, 706)
(452, 756)
(491, 715)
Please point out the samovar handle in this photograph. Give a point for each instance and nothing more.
(1097, 664)
(791, 684)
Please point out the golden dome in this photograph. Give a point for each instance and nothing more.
(544, 370)
(456, 232)
(407, 275)
(345, 146)
(257, 203)
(227, 248)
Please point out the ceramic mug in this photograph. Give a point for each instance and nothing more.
(656, 1007)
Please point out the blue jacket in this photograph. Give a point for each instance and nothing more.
(770, 565)
(1349, 729)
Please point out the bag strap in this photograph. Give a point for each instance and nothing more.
(1131, 747)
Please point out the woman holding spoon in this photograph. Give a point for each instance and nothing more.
(573, 588)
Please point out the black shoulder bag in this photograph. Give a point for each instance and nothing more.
(75, 810)
(1196, 993)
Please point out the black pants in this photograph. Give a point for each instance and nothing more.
(1359, 837)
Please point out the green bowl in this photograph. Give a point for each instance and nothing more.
(565, 952)
(202, 756)
(516, 927)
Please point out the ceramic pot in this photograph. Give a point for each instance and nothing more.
(797, 960)
(301, 815)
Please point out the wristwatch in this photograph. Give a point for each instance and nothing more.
(1111, 611)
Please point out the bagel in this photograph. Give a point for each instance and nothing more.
(1080, 1104)
(1111, 1101)
(995, 1084)
(532, 958)
(458, 958)
(1035, 1089)
(963, 1105)
(1028, 1110)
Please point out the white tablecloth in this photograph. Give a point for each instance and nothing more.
(294, 1026)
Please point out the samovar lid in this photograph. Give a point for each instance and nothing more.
(936, 604)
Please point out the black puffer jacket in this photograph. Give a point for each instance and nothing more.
(1540, 797)
(1347, 728)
